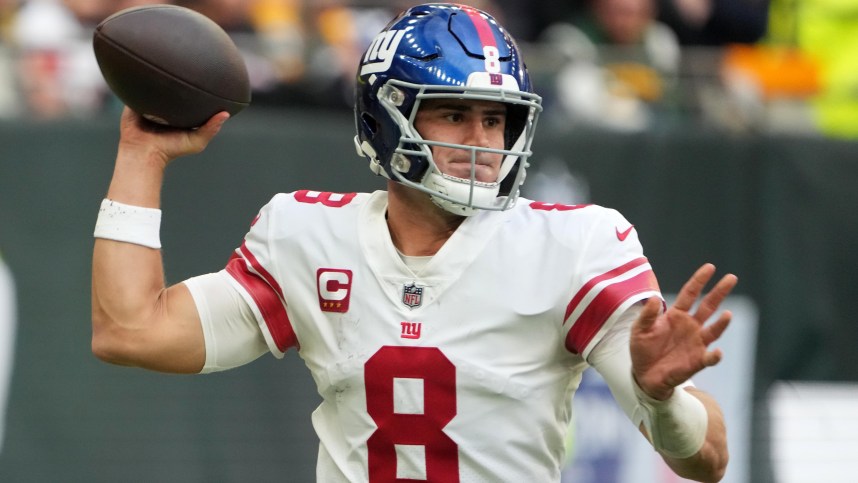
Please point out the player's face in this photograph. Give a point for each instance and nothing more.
(468, 122)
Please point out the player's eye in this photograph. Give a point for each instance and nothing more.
(493, 121)
(454, 117)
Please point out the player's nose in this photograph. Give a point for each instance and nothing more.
(476, 133)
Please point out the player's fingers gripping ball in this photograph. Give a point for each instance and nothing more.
(172, 65)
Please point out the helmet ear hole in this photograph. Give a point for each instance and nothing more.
(369, 123)
(516, 120)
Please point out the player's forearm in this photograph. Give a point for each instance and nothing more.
(137, 177)
(710, 463)
(127, 278)
(136, 320)
(127, 283)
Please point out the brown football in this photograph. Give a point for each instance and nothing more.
(172, 65)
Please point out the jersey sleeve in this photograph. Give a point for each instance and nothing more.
(611, 274)
(252, 271)
(232, 336)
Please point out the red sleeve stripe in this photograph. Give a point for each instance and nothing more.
(588, 287)
(257, 267)
(268, 301)
(605, 303)
(487, 37)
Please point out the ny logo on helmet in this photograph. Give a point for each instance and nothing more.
(379, 56)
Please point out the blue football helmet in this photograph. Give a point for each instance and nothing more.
(443, 51)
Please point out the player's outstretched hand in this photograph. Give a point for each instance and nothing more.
(147, 140)
(668, 349)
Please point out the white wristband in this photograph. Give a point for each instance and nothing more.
(677, 426)
(127, 223)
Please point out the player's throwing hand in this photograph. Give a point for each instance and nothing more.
(667, 349)
(165, 143)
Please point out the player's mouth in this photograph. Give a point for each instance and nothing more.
(485, 170)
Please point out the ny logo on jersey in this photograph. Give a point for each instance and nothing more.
(411, 330)
(334, 287)
(412, 295)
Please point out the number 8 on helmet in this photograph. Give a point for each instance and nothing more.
(443, 51)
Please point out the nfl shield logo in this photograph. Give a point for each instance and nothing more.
(412, 295)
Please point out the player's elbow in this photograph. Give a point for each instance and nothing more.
(110, 343)
(708, 475)
(107, 348)
(719, 475)
(719, 468)
(713, 474)
(710, 469)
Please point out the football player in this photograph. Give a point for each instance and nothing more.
(445, 320)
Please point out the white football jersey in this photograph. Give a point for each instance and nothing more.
(462, 372)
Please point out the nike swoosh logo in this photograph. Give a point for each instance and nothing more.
(622, 235)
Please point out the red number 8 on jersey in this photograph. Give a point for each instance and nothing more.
(403, 429)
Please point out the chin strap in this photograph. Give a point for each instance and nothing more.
(457, 193)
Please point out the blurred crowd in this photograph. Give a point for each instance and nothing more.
(615, 64)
